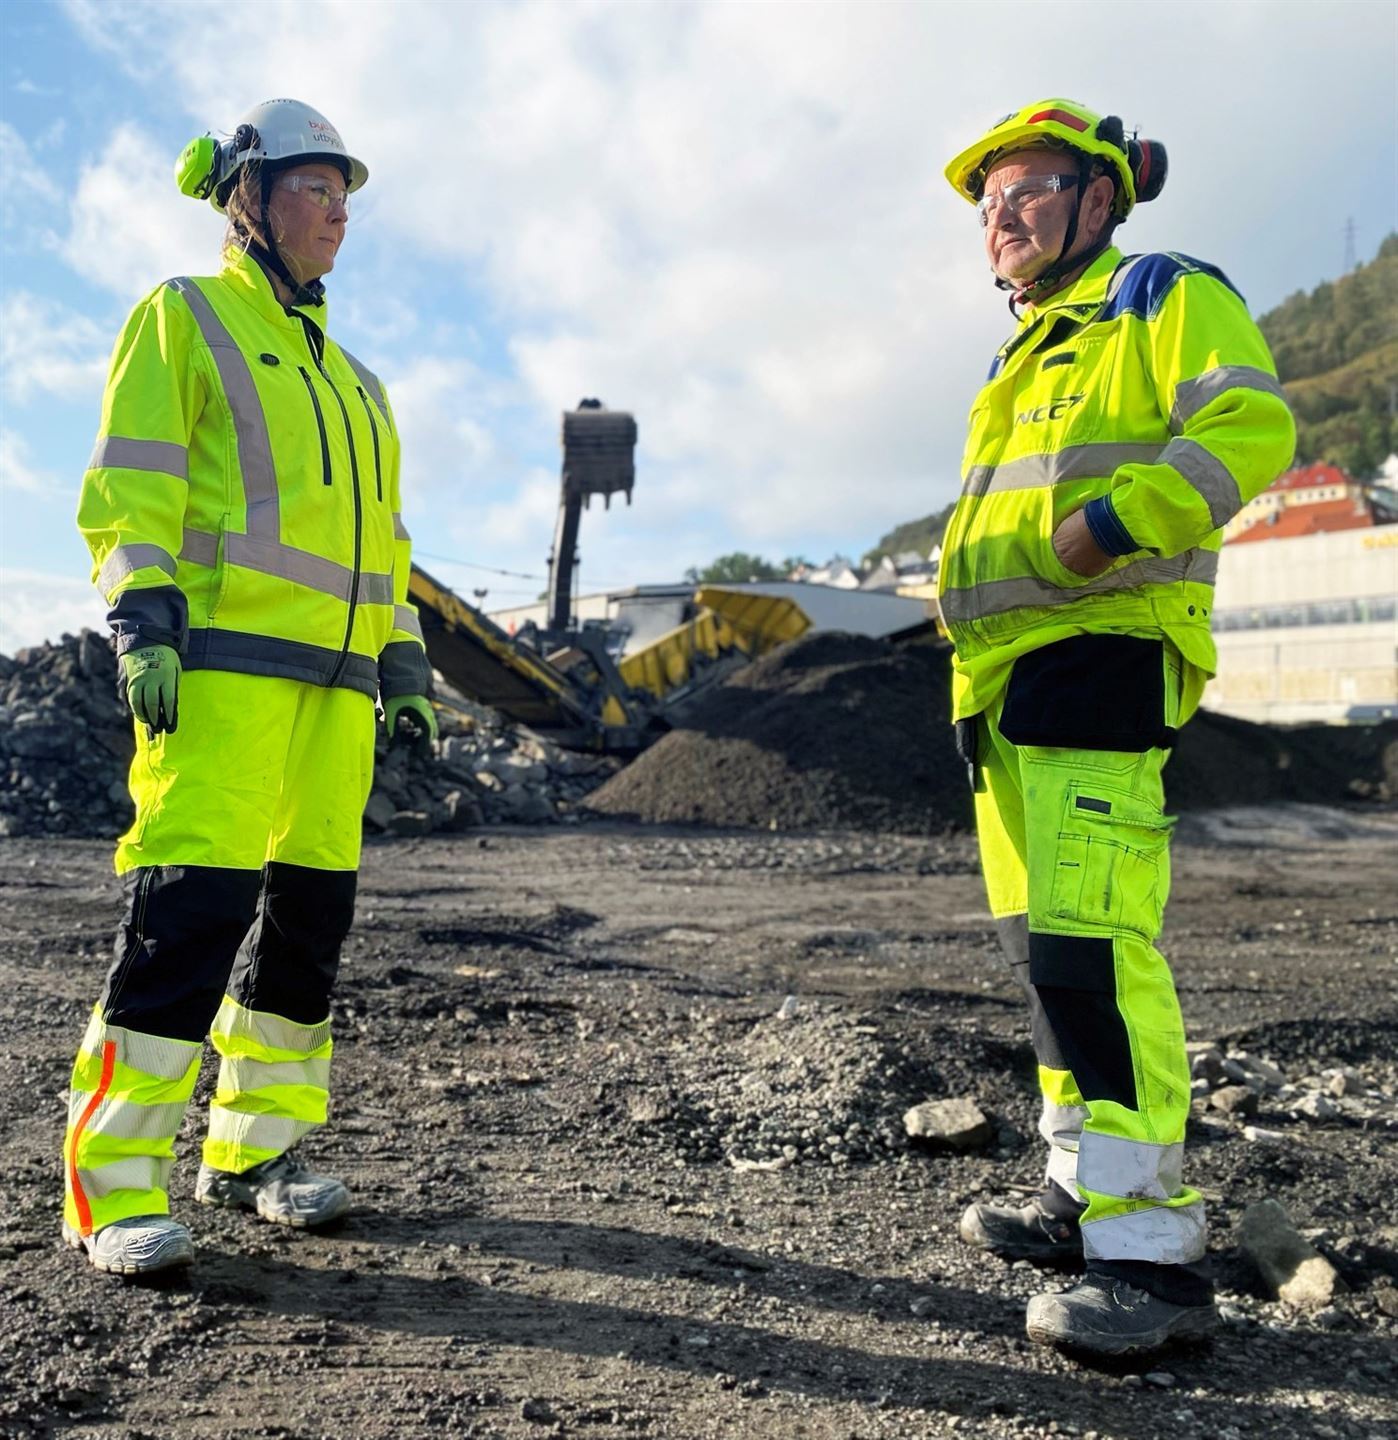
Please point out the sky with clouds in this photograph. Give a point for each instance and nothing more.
(728, 218)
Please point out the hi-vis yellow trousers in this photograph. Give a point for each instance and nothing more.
(240, 872)
(1074, 845)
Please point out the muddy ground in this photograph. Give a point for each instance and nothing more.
(553, 1047)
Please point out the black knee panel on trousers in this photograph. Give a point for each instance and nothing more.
(176, 947)
(1074, 981)
(289, 963)
(1014, 942)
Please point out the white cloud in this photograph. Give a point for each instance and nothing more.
(17, 470)
(37, 606)
(46, 348)
(129, 227)
(730, 218)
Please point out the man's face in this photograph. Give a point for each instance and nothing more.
(1023, 239)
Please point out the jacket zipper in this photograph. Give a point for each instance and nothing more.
(374, 431)
(320, 425)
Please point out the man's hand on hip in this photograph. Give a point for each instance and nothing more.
(153, 687)
(1077, 550)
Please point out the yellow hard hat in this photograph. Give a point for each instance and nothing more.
(1138, 165)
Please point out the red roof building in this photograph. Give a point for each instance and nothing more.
(1307, 486)
(1292, 520)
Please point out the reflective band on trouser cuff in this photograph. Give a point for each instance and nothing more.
(160, 457)
(972, 602)
(405, 618)
(400, 530)
(1075, 462)
(286, 562)
(1139, 1207)
(273, 1086)
(1192, 395)
(1208, 475)
(127, 559)
(128, 1097)
(1060, 1123)
(249, 421)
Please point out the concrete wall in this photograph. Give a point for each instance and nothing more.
(1282, 659)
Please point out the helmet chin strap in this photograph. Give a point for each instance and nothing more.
(1060, 266)
(270, 258)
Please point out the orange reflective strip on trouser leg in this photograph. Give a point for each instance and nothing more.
(128, 1096)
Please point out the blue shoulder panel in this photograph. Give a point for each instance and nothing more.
(1151, 279)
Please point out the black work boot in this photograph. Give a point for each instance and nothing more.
(1045, 1230)
(1106, 1315)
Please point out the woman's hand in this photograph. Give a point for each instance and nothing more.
(1077, 550)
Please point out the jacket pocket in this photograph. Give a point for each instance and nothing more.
(326, 477)
(374, 431)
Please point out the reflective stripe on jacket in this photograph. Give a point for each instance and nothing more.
(1145, 394)
(242, 500)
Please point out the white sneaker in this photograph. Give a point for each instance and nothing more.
(282, 1190)
(137, 1246)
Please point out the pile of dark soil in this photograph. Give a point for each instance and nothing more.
(832, 731)
(843, 732)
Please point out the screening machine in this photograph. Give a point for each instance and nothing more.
(563, 679)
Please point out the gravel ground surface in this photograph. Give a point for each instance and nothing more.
(610, 1181)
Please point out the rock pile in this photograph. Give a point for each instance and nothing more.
(844, 732)
(66, 743)
(830, 732)
(812, 1085)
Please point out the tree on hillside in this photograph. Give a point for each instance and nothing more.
(1338, 360)
(738, 567)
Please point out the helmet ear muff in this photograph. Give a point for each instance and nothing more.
(245, 138)
(196, 171)
(1149, 167)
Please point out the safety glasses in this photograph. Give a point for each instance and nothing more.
(320, 191)
(1022, 194)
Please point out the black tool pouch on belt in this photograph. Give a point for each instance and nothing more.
(1089, 692)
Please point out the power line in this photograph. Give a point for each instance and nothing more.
(512, 574)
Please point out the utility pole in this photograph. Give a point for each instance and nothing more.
(1351, 259)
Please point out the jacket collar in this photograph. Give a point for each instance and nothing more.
(250, 282)
(1088, 291)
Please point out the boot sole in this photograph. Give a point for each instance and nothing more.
(1183, 1328)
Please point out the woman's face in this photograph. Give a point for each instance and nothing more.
(308, 232)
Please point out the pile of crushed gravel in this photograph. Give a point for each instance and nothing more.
(843, 732)
(830, 732)
(810, 1084)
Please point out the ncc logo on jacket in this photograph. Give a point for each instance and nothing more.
(1053, 410)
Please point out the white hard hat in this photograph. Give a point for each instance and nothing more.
(277, 132)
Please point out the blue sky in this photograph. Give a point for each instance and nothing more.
(728, 218)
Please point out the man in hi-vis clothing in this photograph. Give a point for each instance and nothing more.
(1132, 413)
(243, 514)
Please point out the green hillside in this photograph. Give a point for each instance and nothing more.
(1337, 354)
(919, 535)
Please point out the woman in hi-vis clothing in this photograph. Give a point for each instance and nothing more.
(243, 514)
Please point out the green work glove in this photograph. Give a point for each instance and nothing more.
(153, 687)
(419, 724)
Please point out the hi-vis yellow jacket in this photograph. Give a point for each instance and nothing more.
(242, 500)
(1144, 394)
